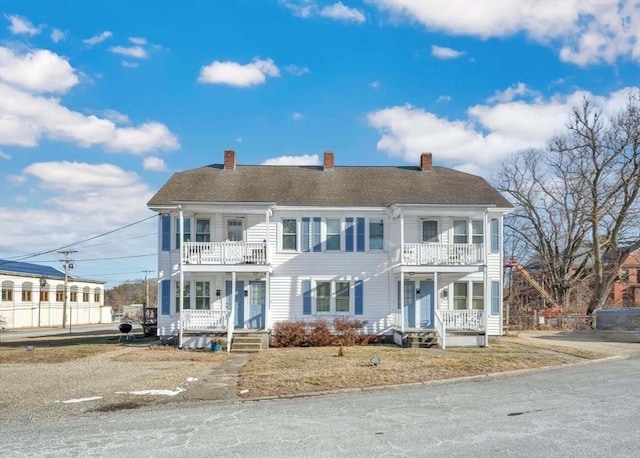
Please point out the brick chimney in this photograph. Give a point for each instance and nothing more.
(328, 161)
(425, 162)
(229, 159)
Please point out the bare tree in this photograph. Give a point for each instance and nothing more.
(605, 154)
(577, 206)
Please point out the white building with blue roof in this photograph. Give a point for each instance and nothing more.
(34, 296)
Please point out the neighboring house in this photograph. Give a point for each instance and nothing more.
(626, 290)
(404, 248)
(33, 296)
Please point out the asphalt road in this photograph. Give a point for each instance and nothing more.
(589, 410)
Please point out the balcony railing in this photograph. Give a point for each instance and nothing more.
(425, 254)
(224, 253)
(463, 320)
(200, 320)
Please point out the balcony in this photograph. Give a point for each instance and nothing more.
(224, 253)
(427, 254)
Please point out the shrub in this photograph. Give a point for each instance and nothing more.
(289, 334)
(320, 333)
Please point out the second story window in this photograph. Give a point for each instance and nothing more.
(44, 296)
(187, 231)
(477, 232)
(429, 231)
(333, 235)
(203, 230)
(59, 294)
(460, 231)
(376, 234)
(235, 230)
(289, 234)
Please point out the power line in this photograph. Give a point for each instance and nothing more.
(28, 256)
(104, 259)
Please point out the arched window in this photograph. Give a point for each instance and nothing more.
(27, 289)
(96, 295)
(60, 293)
(7, 291)
(85, 294)
(73, 295)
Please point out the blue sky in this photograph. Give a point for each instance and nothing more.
(100, 102)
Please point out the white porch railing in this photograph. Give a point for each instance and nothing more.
(198, 320)
(224, 253)
(420, 254)
(463, 320)
(441, 329)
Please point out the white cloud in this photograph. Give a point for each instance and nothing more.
(16, 179)
(138, 40)
(127, 64)
(5, 156)
(239, 139)
(338, 10)
(583, 32)
(374, 84)
(94, 40)
(58, 35)
(296, 70)
(235, 74)
(297, 116)
(488, 135)
(81, 200)
(155, 164)
(509, 94)
(445, 53)
(341, 12)
(26, 115)
(443, 99)
(137, 52)
(305, 159)
(21, 26)
(116, 117)
(38, 71)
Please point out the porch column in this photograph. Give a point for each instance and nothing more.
(181, 278)
(401, 301)
(267, 303)
(401, 239)
(487, 285)
(436, 294)
(233, 299)
(268, 239)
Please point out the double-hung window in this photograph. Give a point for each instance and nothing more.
(203, 294)
(333, 235)
(477, 232)
(26, 293)
(477, 299)
(73, 296)
(235, 231)
(187, 231)
(203, 230)
(376, 234)
(96, 296)
(495, 236)
(460, 229)
(7, 291)
(342, 297)
(59, 294)
(85, 296)
(460, 296)
(186, 296)
(44, 296)
(323, 297)
(289, 234)
(333, 296)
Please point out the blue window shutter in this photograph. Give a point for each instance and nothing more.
(359, 287)
(166, 233)
(306, 297)
(349, 234)
(317, 244)
(495, 298)
(305, 234)
(166, 297)
(495, 236)
(360, 234)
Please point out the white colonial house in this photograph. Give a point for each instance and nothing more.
(33, 296)
(408, 249)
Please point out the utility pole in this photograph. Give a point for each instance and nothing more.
(68, 264)
(146, 284)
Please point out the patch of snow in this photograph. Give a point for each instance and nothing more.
(244, 391)
(159, 392)
(192, 379)
(71, 401)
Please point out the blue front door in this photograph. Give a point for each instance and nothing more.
(426, 304)
(409, 303)
(257, 302)
(239, 301)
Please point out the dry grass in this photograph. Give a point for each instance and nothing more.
(302, 370)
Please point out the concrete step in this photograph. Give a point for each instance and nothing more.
(246, 350)
(247, 339)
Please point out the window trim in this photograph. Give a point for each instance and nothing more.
(368, 232)
(187, 233)
(207, 297)
(325, 234)
(332, 296)
(466, 231)
(495, 235)
(283, 233)
(206, 235)
(226, 228)
(421, 229)
(473, 234)
(186, 298)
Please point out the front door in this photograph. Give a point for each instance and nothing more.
(257, 302)
(239, 301)
(426, 304)
(409, 303)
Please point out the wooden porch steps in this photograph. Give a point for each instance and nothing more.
(247, 342)
(422, 339)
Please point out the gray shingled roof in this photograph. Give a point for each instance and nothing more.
(341, 187)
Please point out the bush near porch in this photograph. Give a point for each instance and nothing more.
(320, 333)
